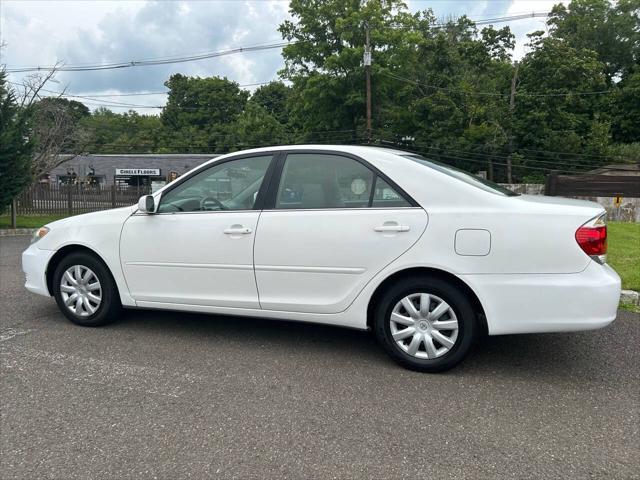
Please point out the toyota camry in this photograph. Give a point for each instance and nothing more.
(426, 256)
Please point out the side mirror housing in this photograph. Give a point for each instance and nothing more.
(147, 204)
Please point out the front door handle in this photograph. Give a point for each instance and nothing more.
(237, 230)
(391, 227)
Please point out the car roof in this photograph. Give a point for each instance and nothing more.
(353, 149)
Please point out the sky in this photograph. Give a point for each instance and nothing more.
(41, 32)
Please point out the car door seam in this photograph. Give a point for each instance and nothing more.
(122, 270)
(387, 265)
(253, 258)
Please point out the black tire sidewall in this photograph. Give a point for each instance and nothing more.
(110, 304)
(467, 324)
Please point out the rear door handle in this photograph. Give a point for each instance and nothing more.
(391, 227)
(237, 230)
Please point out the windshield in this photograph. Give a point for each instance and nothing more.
(466, 177)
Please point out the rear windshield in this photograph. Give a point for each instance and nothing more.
(478, 182)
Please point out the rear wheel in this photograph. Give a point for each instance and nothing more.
(85, 290)
(425, 324)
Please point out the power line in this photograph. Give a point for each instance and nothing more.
(166, 92)
(573, 162)
(415, 82)
(206, 55)
(113, 103)
(425, 148)
(493, 94)
(464, 159)
(147, 62)
(510, 18)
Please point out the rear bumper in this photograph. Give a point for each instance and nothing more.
(548, 302)
(34, 266)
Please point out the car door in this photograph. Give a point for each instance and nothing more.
(331, 222)
(197, 249)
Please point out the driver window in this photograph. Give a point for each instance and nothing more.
(231, 185)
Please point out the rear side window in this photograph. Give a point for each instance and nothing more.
(311, 181)
(385, 196)
(321, 181)
(481, 183)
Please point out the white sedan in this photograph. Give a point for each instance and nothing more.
(425, 255)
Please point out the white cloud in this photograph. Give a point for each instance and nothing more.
(88, 32)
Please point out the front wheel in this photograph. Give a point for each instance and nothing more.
(85, 291)
(425, 324)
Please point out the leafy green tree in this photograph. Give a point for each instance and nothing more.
(199, 111)
(123, 132)
(611, 29)
(255, 127)
(625, 109)
(325, 62)
(273, 97)
(15, 146)
(556, 110)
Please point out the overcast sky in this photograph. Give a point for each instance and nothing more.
(76, 32)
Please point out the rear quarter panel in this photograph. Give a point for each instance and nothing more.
(527, 235)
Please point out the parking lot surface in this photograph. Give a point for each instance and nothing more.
(174, 395)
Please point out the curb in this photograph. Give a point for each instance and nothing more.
(629, 297)
(11, 232)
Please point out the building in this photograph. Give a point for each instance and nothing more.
(130, 169)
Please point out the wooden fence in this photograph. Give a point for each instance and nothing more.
(43, 199)
(592, 185)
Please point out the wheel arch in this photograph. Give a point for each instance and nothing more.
(62, 253)
(433, 273)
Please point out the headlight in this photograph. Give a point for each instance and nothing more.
(38, 234)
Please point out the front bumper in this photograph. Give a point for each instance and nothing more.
(34, 266)
(533, 303)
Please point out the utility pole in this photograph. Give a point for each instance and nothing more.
(367, 69)
(512, 106)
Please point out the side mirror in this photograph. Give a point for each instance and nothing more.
(147, 204)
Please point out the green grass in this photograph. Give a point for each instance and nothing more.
(29, 221)
(624, 252)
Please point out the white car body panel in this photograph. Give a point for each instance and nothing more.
(189, 259)
(324, 265)
(317, 261)
(99, 232)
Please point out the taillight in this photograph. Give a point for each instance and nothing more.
(592, 238)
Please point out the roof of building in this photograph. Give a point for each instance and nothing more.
(106, 164)
(623, 169)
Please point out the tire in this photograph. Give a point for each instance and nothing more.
(91, 269)
(428, 328)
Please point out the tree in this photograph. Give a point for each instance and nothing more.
(56, 132)
(567, 117)
(199, 111)
(625, 109)
(255, 127)
(611, 29)
(273, 97)
(54, 124)
(15, 146)
(325, 62)
(124, 132)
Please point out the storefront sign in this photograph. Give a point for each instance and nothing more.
(153, 172)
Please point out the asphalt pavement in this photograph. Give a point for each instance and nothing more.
(174, 395)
